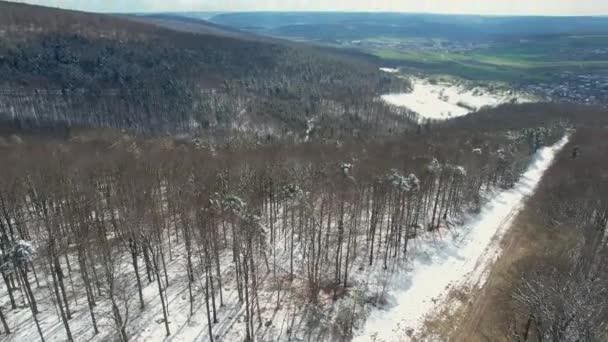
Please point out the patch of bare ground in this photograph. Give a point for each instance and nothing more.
(442, 324)
(478, 314)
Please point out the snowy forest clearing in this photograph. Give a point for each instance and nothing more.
(443, 100)
(463, 259)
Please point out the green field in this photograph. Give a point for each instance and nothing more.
(540, 59)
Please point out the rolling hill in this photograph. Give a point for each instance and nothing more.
(330, 26)
(70, 68)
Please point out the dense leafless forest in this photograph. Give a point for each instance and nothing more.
(564, 290)
(276, 220)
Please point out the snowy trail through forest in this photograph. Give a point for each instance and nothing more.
(463, 258)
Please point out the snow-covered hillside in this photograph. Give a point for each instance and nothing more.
(444, 100)
(463, 257)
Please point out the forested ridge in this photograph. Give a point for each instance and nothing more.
(89, 70)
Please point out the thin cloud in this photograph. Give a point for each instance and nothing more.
(493, 7)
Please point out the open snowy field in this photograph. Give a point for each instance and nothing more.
(462, 258)
(444, 100)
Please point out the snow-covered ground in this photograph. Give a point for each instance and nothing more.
(390, 70)
(444, 100)
(462, 258)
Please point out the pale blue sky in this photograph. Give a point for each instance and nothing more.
(494, 7)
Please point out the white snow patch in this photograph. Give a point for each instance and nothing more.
(464, 257)
(310, 126)
(390, 70)
(445, 100)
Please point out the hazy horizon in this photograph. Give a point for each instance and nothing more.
(446, 7)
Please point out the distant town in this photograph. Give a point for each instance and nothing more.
(588, 89)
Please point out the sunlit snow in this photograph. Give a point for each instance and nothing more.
(462, 258)
(390, 70)
(444, 100)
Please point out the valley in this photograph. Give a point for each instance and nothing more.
(563, 59)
